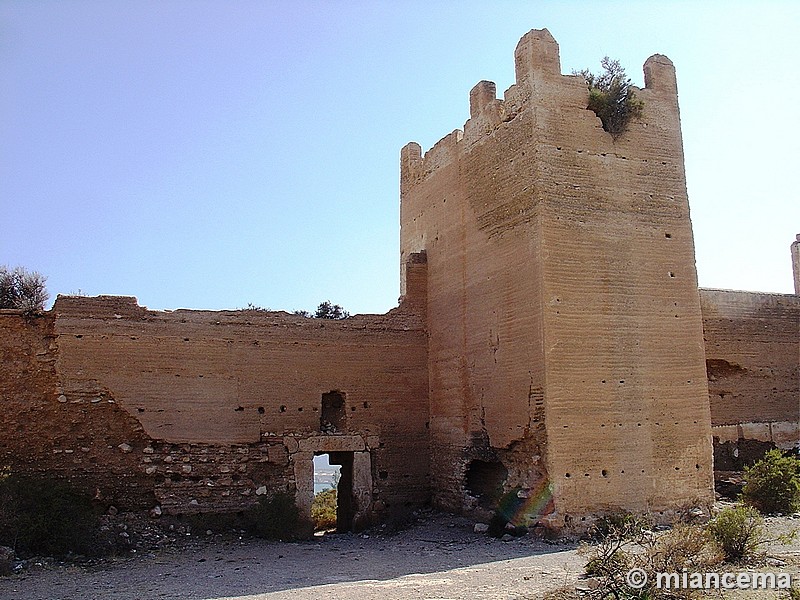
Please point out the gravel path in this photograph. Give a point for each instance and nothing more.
(441, 559)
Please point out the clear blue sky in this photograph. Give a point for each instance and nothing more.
(207, 154)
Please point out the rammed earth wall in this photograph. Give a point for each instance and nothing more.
(565, 327)
(203, 411)
(752, 356)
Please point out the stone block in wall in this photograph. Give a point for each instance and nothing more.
(291, 444)
(756, 431)
(333, 443)
(304, 480)
(362, 489)
(786, 435)
(278, 455)
(726, 433)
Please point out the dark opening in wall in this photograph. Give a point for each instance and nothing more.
(735, 456)
(333, 415)
(484, 480)
(346, 504)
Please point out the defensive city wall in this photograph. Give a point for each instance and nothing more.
(752, 355)
(550, 346)
(200, 411)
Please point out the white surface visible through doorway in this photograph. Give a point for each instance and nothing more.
(326, 475)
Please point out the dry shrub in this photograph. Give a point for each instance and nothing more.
(323, 510)
(772, 485)
(628, 543)
(46, 516)
(23, 290)
(688, 547)
(739, 533)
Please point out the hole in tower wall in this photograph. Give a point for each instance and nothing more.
(484, 480)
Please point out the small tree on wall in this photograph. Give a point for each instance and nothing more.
(611, 96)
(22, 290)
(326, 310)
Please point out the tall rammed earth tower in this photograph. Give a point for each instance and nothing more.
(566, 355)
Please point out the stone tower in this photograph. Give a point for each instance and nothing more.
(566, 357)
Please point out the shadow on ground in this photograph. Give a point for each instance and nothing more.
(441, 556)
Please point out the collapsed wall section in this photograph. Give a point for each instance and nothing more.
(753, 362)
(565, 328)
(45, 433)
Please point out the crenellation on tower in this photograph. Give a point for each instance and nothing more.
(442, 153)
(481, 124)
(480, 96)
(410, 164)
(557, 104)
(659, 75)
(537, 54)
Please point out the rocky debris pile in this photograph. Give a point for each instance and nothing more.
(728, 485)
(125, 535)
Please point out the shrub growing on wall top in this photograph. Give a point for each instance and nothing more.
(325, 310)
(22, 290)
(611, 96)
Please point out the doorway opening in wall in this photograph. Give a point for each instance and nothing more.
(333, 507)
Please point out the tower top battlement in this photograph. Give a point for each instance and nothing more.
(539, 82)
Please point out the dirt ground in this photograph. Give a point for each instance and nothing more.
(440, 558)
